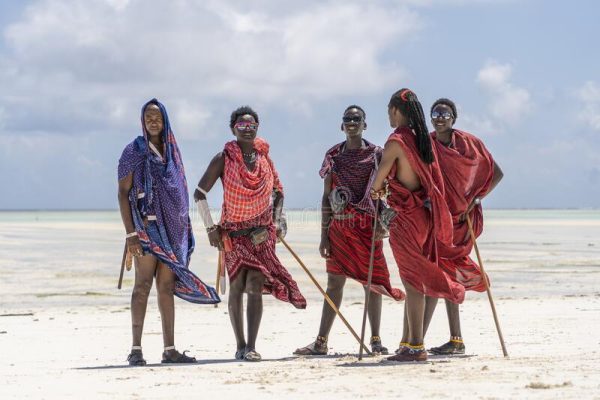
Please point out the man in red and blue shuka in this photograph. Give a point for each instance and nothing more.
(347, 228)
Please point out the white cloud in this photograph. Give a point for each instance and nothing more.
(480, 125)
(508, 103)
(84, 65)
(75, 74)
(118, 4)
(589, 95)
(494, 76)
(190, 119)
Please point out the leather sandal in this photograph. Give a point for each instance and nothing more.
(316, 348)
(136, 359)
(252, 355)
(178, 359)
(239, 354)
(409, 354)
(450, 348)
(377, 347)
(401, 347)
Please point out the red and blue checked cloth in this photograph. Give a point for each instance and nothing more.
(247, 194)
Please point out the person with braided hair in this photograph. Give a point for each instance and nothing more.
(415, 190)
(470, 173)
(348, 170)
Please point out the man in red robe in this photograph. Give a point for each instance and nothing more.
(251, 221)
(347, 229)
(416, 193)
(470, 173)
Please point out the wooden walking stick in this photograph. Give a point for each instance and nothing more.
(369, 276)
(122, 267)
(327, 298)
(487, 286)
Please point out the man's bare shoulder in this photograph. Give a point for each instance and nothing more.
(218, 158)
(394, 148)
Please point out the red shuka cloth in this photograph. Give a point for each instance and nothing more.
(247, 203)
(350, 239)
(350, 242)
(468, 169)
(418, 227)
(246, 193)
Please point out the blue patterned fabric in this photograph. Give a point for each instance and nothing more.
(160, 195)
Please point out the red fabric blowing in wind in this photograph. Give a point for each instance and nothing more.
(468, 169)
(350, 241)
(422, 222)
(247, 203)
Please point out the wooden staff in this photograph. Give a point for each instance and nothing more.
(122, 267)
(487, 286)
(369, 277)
(327, 298)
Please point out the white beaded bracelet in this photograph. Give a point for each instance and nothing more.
(132, 234)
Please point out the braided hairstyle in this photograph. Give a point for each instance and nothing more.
(406, 101)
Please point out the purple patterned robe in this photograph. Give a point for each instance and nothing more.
(160, 196)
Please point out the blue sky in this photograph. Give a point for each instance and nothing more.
(73, 75)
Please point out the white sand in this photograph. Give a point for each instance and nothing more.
(546, 275)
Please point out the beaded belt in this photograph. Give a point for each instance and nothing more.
(244, 232)
(343, 216)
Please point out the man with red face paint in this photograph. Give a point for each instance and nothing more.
(348, 211)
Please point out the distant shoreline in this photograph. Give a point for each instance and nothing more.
(292, 209)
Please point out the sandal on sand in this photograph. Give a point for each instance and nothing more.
(252, 355)
(409, 354)
(448, 349)
(178, 358)
(316, 348)
(377, 347)
(401, 347)
(239, 354)
(136, 359)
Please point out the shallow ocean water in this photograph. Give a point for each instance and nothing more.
(73, 257)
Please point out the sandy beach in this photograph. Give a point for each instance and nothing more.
(65, 328)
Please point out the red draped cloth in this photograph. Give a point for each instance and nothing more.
(247, 203)
(468, 169)
(246, 194)
(352, 171)
(422, 222)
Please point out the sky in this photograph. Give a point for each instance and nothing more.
(74, 74)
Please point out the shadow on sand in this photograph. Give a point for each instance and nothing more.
(169, 365)
(371, 362)
(368, 361)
